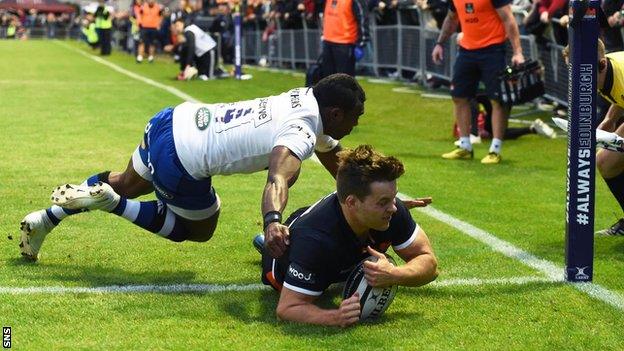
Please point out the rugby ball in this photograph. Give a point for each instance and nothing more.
(373, 300)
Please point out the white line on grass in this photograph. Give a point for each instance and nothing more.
(215, 288)
(551, 270)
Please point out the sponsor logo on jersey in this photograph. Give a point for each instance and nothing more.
(162, 193)
(202, 118)
(298, 273)
(469, 7)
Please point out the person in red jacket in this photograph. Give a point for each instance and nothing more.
(486, 26)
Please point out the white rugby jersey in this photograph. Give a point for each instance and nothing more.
(238, 137)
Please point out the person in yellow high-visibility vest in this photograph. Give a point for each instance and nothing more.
(103, 26)
(89, 32)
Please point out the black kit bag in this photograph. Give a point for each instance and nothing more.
(520, 84)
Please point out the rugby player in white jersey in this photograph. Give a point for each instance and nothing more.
(183, 147)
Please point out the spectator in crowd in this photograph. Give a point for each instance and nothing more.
(224, 25)
(614, 12)
(51, 25)
(164, 33)
(540, 17)
(362, 218)
(103, 26)
(149, 24)
(486, 26)
(185, 12)
(196, 50)
(387, 12)
(433, 12)
(345, 34)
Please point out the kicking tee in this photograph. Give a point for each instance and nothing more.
(238, 137)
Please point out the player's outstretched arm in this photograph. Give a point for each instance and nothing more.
(421, 266)
(284, 169)
(297, 307)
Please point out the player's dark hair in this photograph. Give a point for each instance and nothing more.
(339, 90)
(360, 167)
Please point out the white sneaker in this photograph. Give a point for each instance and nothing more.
(35, 226)
(203, 77)
(150, 59)
(543, 129)
(474, 139)
(139, 59)
(190, 72)
(81, 197)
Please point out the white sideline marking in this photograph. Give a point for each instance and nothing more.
(493, 281)
(215, 288)
(130, 74)
(436, 96)
(128, 289)
(405, 90)
(551, 270)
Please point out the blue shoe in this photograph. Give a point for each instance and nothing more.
(258, 243)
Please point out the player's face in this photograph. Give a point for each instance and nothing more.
(348, 122)
(376, 210)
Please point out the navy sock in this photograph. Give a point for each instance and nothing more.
(153, 216)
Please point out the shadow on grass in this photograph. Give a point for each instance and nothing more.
(245, 311)
(96, 274)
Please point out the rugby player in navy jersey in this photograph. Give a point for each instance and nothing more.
(363, 217)
(184, 147)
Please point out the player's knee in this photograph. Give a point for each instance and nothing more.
(128, 186)
(201, 236)
(606, 165)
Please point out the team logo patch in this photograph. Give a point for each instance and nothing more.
(202, 118)
(469, 7)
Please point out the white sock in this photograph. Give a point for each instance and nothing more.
(464, 143)
(496, 146)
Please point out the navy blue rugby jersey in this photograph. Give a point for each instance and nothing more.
(323, 248)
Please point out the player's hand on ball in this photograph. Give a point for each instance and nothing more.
(379, 273)
(276, 239)
(349, 311)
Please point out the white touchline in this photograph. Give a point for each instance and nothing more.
(551, 270)
(217, 288)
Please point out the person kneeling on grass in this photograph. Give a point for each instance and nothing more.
(363, 217)
(197, 52)
(184, 147)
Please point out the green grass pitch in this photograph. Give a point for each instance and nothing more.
(64, 116)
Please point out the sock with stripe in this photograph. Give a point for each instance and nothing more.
(56, 213)
(152, 216)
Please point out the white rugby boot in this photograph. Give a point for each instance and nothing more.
(99, 196)
(34, 227)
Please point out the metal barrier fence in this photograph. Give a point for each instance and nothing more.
(400, 47)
